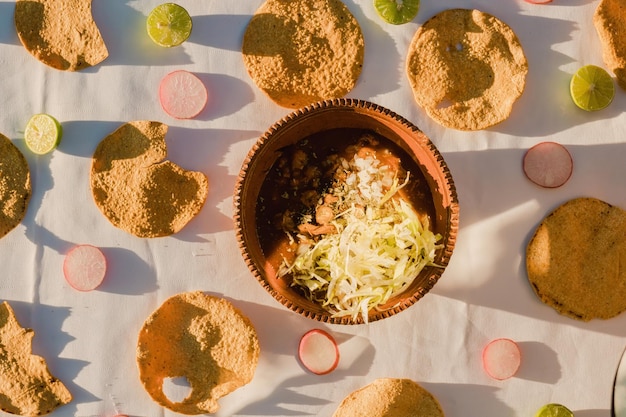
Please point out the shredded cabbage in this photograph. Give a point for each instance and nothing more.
(379, 246)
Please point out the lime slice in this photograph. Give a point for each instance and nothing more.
(397, 12)
(592, 88)
(169, 24)
(554, 410)
(42, 134)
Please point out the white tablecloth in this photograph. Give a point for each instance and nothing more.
(89, 339)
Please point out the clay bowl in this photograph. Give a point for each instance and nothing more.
(326, 124)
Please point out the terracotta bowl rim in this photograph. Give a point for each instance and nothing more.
(450, 189)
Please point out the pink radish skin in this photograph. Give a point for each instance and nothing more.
(318, 352)
(501, 358)
(548, 164)
(182, 94)
(84, 267)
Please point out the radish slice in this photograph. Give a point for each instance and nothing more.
(84, 267)
(501, 358)
(548, 164)
(318, 352)
(182, 94)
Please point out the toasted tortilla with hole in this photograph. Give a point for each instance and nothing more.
(390, 397)
(610, 22)
(26, 386)
(576, 259)
(303, 51)
(140, 191)
(60, 33)
(466, 69)
(202, 338)
(15, 186)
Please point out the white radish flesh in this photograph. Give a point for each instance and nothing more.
(84, 267)
(548, 164)
(318, 352)
(502, 358)
(182, 94)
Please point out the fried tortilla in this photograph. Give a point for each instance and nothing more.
(15, 186)
(466, 69)
(60, 33)
(302, 51)
(202, 338)
(390, 397)
(610, 22)
(137, 189)
(574, 259)
(26, 386)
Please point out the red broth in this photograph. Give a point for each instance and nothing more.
(306, 170)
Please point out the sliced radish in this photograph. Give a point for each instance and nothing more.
(182, 94)
(84, 267)
(501, 358)
(548, 164)
(318, 352)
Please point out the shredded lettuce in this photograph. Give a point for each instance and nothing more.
(379, 247)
